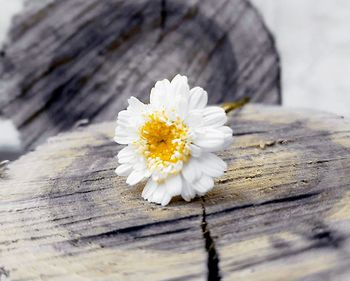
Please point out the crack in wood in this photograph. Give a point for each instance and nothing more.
(164, 233)
(131, 229)
(268, 202)
(238, 134)
(213, 257)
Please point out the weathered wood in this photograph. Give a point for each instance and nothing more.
(74, 59)
(281, 212)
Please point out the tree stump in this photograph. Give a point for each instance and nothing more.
(69, 60)
(281, 212)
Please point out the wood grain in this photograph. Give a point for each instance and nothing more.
(80, 59)
(281, 212)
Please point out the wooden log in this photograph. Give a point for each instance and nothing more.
(281, 212)
(80, 59)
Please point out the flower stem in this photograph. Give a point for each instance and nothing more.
(229, 106)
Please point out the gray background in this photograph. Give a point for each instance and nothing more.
(313, 37)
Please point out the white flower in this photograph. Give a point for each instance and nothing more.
(171, 142)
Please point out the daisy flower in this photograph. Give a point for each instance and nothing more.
(171, 142)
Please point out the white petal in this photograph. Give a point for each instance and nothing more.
(212, 165)
(198, 98)
(181, 104)
(187, 192)
(191, 171)
(179, 86)
(195, 150)
(125, 131)
(129, 119)
(227, 136)
(135, 177)
(203, 185)
(194, 119)
(139, 164)
(124, 116)
(214, 116)
(135, 105)
(228, 139)
(158, 194)
(131, 159)
(209, 139)
(226, 130)
(148, 190)
(125, 135)
(124, 139)
(123, 170)
(160, 94)
(173, 185)
(166, 199)
(127, 154)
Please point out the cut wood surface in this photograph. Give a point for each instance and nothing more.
(281, 211)
(68, 60)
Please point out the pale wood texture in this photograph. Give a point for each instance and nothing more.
(281, 212)
(80, 59)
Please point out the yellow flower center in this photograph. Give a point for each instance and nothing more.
(164, 142)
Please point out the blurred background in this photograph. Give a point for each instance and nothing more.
(313, 41)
